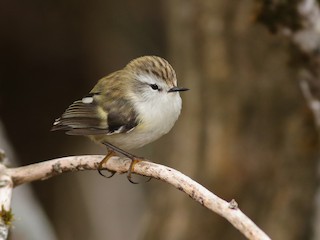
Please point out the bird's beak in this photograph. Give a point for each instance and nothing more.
(178, 89)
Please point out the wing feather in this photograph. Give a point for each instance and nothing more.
(87, 117)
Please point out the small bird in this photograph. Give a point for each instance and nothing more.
(127, 109)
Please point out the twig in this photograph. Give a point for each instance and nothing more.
(6, 187)
(228, 210)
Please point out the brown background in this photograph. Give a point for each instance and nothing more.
(245, 131)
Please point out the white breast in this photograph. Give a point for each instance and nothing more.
(157, 116)
(160, 114)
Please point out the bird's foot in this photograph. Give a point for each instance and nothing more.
(110, 154)
(134, 161)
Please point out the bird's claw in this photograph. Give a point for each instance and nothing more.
(112, 173)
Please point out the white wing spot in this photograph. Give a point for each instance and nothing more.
(117, 131)
(87, 100)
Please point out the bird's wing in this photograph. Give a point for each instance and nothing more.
(87, 117)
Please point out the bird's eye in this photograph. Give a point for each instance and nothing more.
(154, 86)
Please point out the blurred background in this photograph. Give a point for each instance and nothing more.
(245, 131)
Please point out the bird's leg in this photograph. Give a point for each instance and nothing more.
(134, 159)
(110, 154)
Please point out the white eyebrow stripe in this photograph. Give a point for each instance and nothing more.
(87, 100)
(151, 79)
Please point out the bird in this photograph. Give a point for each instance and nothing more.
(127, 109)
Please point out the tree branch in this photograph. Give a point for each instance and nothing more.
(6, 187)
(47, 169)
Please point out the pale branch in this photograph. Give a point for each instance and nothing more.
(6, 187)
(228, 210)
(48, 169)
